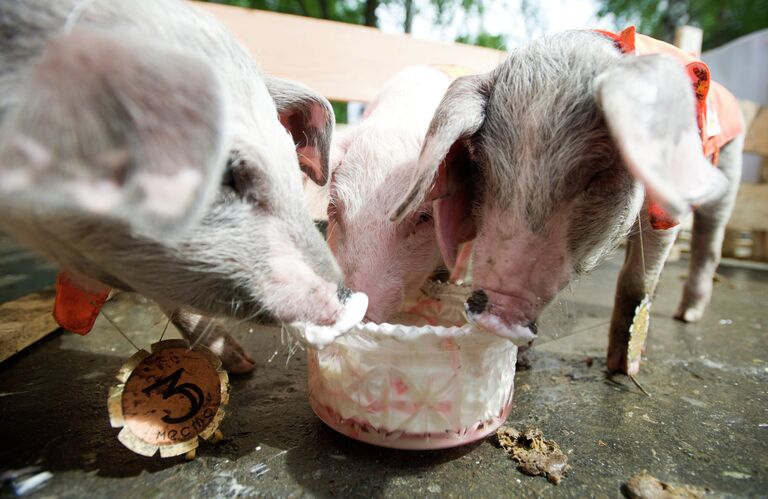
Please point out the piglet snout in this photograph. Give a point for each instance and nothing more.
(502, 315)
(343, 293)
(355, 305)
(477, 302)
(519, 334)
(534, 327)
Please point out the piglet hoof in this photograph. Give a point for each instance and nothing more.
(694, 301)
(689, 314)
(617, 364)
(238, 361)
(233, 357)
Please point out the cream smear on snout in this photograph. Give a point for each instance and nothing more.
(319, 337)
(519, 270)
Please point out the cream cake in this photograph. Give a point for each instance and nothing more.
(431, 382)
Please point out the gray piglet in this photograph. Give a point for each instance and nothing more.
(140, 148)
(544, 164)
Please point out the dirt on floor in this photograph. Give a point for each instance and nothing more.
(704, 424)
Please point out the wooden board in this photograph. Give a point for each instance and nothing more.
(757, 134)
(749, 110)
(751, 209)
(26, 320)
(689, 39)
(342, 61)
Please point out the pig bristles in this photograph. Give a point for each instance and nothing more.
(162, 335)
(234, 309)
(293, 345)
(74, 16)
(331, 225)
(203, 334)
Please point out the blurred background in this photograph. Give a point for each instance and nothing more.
(349, 65)
(505, 24)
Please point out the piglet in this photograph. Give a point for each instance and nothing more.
(372, 165)
(548, 161)
(142, 149)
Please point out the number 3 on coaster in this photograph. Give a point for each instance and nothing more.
(168, 398)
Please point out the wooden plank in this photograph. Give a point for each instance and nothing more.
(26, 320)
(760, 245)
(757, 135)
(764, 170)
(341, 61)
(751, 209)
(730, 243)
(689, 38)
(749, 110)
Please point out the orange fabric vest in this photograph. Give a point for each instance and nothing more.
(717, 111)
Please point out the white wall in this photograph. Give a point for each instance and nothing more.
(742, 66)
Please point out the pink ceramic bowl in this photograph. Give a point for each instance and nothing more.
(414, 387)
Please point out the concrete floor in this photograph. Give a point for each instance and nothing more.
(705, 425)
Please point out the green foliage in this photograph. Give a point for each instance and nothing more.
(446, 9)
(340, 111)
(721, 21)
(484, 39)
(364, 12)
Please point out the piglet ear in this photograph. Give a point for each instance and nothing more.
(446, 167)
(649, 105)
(118, 128)
(342, 138)
(309, 118)
(458, 117)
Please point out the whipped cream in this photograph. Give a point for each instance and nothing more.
(309, 334)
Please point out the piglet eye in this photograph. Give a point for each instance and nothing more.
(424, 217)
(227, 179)
(245, 181)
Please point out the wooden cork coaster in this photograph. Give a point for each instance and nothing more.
(168, 398)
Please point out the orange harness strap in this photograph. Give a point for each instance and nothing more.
(75, 309)
(716, 109)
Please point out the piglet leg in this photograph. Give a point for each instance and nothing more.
(709, 222)
(192, 326)
(635, 281)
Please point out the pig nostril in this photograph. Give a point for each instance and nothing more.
(534, 327)
(343, 293)
(441, 274)
(477, 302)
